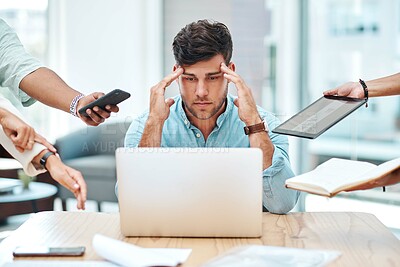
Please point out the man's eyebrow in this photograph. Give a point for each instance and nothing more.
(214, 73)
(208, 74)
(188, 74)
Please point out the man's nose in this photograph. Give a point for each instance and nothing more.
(201, 89)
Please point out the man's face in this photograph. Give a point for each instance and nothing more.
(203, 88)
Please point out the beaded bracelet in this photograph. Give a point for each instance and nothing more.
(74, 104)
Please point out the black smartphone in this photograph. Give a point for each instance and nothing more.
(43, 251)
(112, 98)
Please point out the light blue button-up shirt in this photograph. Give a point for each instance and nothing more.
(179, 132)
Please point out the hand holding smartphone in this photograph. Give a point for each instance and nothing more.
(114, 97)
(42, 251)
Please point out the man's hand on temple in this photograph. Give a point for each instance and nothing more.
(159, 106)
(245, 102)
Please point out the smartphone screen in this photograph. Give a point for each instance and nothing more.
(40, 251)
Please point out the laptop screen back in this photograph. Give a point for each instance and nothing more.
(198, 192)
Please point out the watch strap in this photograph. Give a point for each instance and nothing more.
(43, 160)
(256, 128)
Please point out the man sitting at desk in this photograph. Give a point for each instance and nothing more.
(205, 115)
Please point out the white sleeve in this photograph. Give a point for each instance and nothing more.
(27, 156)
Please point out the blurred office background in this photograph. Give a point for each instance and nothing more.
(288, 52)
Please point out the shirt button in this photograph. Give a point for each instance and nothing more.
(198, 135)
(186, 122)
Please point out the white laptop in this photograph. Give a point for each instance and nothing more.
(190, 192)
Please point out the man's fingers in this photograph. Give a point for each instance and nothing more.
(230, 75)
(225, 69)
(236, 102)
(169, 101)
(171, 77)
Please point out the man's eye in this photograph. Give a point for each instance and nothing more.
(213, 78)
(189, 79)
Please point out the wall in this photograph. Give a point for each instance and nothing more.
(99, 45)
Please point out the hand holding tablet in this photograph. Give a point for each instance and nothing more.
(319, 116)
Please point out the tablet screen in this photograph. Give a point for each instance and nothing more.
(319, 116)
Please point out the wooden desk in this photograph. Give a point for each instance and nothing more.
(361, 237)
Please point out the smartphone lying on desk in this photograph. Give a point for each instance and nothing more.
(42, 251)
(114, 97)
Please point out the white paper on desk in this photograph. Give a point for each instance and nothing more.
(255, 256)
(133, 256)
(37, 263)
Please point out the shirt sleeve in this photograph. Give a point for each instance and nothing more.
(15, 63)
(276, 197)
(27, 156)
(135, 131)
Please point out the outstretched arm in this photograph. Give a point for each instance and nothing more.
(46, 86)
(385, 86)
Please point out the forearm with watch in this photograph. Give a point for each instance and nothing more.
(43, 159)
(257, 130)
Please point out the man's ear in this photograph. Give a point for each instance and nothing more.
(232, 66)
(174, 67)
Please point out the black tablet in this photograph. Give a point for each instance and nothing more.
(319, 116)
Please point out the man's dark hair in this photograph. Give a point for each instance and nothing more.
(202, 40)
